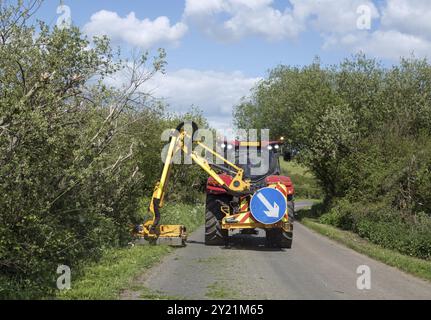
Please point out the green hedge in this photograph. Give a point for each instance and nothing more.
(364, 131)
(384, 226)
(76, 155)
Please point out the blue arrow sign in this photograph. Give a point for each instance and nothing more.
(268, 205)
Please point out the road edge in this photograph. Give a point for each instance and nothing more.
(413, 266)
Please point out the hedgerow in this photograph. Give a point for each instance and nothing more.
(77, 154)
(364, 131)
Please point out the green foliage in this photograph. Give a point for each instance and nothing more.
(188, 214)
(384, 226)
(76, 155)
(305, 183)
(394, 233)
(340, 216)
(364, 132)
(105, 279)
(415, 266)
(118, 267)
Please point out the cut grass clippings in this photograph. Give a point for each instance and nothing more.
(418, 267)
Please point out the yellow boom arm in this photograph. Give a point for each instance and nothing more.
(151, 229)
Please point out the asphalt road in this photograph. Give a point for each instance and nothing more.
(315, 268)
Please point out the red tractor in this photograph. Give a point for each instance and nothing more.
(243, 194)
(225, 211)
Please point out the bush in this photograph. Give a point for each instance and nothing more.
(364, 132)
(76, 155)
(410, 239)
(382, 225)
(340, 216)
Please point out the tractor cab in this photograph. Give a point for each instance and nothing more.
(259, 162)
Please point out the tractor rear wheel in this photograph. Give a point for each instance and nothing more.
(291, 211)
(281, 238)
(214, 234)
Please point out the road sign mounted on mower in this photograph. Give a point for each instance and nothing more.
(268, 205)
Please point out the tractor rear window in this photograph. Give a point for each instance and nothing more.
(258, 164)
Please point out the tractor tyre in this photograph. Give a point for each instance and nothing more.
(286, 239)
(280, 238)
(291, 211)
(214, 234)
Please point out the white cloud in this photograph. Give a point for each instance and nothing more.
(332, 16)
(199, 7)
(234, 19)
(404, 30)
(408, 16)
(141, 33)
(393, 45)
(400, 27)
(213, 92)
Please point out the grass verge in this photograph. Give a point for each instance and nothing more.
(118, 267)
(414, 266)
(314, 201)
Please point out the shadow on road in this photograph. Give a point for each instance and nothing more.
(249, 242)
(244, 242)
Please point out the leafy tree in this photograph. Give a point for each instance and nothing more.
(77, 155)
(364, 131)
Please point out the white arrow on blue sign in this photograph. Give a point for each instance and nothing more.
(268, 205)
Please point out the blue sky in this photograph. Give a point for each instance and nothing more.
(218, 49)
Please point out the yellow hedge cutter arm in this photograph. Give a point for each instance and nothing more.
(176, 235)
